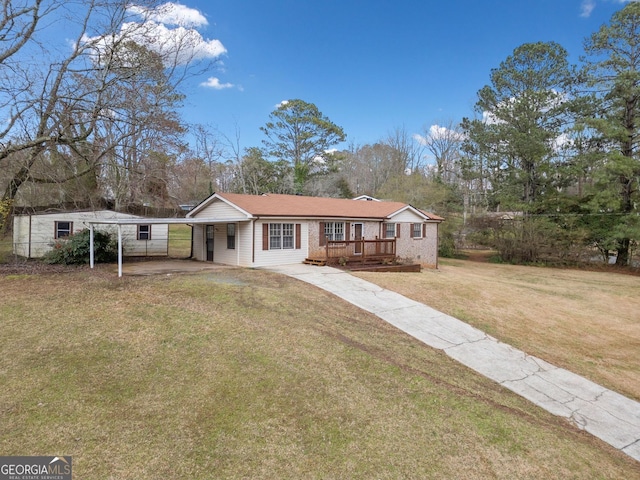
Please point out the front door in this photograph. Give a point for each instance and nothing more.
(209, 243)
(357, 234)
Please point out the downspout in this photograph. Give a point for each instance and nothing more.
(191, 254)
(437, 243)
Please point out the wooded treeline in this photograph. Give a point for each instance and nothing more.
(546, 168)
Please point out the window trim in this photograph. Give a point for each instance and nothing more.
(331, 236)
(57, 229)
(390, 227)
(419, 228)
(288, 239)
(140, 233)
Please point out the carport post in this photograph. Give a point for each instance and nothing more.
(119, 250)
(91, 245)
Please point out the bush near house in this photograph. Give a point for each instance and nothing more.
(74, 249)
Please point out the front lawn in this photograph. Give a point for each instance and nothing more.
(241, 373)
(587, 322)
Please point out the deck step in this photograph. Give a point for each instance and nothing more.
(315, 261)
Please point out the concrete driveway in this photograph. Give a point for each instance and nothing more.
(601, 412)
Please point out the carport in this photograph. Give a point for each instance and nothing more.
(148, 221)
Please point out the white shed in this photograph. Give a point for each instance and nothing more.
(34, 235)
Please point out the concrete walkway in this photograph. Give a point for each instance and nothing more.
(601, 412)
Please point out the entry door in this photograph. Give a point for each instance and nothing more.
(357, 232)
(210, 243)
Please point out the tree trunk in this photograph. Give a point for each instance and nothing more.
(622, 260)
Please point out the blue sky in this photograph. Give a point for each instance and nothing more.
(370, 66)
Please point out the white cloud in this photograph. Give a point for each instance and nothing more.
(561, 141)
(213, 82)
(587, 7)
(185, 44)
(282, 104)
(436, 132)
(171, 14)
(168, 30)
(420, 139)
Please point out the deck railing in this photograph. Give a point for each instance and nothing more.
(338, 251)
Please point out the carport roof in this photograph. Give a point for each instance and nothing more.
(165, 221)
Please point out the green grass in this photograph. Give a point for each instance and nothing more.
(248, 374)
(179, 241)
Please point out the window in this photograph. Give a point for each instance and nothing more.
(144, 232)
(281, 236)
(63, 229)
(231, 236)
(275, 236)
(389, 230)
(416, 230)
(334, 231)
(287, 235)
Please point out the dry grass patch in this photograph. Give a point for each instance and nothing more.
(586, 322)
(247, 374)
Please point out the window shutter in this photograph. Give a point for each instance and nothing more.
(424, 230)
(265, 236)
(322, 236)
(298, 236)
(347, 231)
(398, 230)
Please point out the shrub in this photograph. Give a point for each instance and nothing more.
(74, 249)
(447, 246)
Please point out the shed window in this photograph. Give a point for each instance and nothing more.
(231, 236)
(416, 230)
(63, 229)
(144, 232)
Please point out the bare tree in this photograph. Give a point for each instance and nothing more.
(407, 152)
(102, 101)
(444, 143)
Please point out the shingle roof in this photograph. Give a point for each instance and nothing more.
(319, 207)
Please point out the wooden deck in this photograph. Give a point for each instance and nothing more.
(370, 255)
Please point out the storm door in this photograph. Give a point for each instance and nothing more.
(357, 235)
